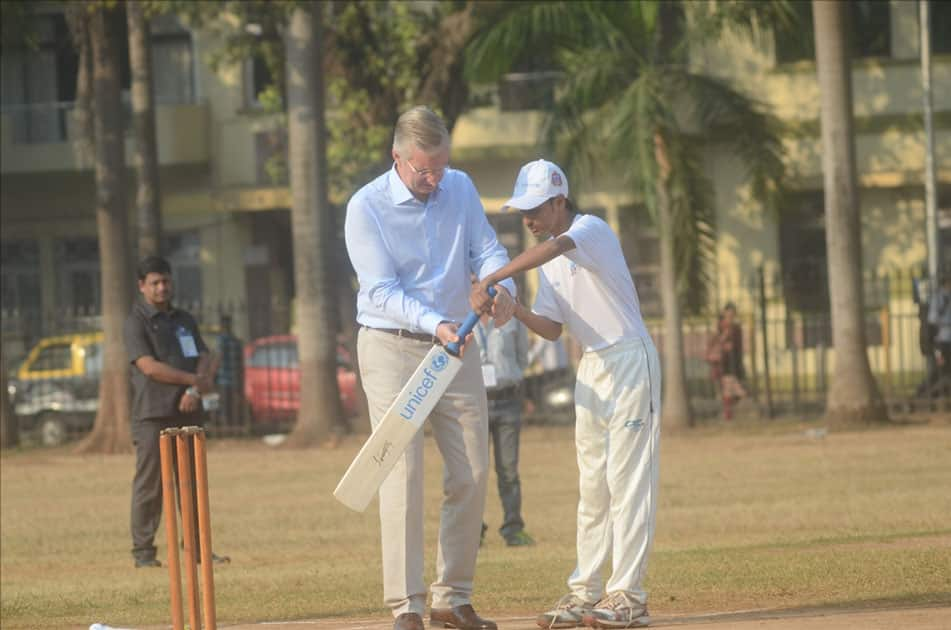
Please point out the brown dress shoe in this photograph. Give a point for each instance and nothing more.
(408, 621)
(461, 617)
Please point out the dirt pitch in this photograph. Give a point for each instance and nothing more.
(919, 618)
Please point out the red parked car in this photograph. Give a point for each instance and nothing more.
(272, 381)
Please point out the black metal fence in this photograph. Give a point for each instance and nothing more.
(788, 354)
(53, 360)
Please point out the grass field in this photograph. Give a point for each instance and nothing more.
(750, 517)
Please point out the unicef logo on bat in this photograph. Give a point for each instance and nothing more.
(440, 362)
(426, 382)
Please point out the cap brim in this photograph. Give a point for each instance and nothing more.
(525, 202)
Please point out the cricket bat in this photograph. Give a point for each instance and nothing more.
(402, 420)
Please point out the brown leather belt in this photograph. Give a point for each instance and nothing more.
(399, 332)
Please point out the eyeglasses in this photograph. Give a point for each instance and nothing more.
(426, 172)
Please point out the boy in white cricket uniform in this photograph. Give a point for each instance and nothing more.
(584, 284)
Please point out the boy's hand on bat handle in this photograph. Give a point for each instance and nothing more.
(502, 307)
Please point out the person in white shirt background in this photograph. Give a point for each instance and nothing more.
(504, 353)
(939, 316)
(585, 286)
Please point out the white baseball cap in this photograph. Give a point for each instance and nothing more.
(536, 183)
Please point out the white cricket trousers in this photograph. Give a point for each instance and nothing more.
(460, 426)
(617, 436)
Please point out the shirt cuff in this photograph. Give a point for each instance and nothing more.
(509, 284)
(430, 322)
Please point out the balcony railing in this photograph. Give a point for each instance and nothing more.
(41, 137)
(50, 123)
(39, 123)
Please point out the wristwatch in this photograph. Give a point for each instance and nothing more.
(193, 392)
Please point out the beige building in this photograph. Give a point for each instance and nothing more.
(228, 227)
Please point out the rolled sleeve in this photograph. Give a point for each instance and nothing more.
(136, 340)
(487, 254)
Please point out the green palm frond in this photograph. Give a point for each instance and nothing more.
(625, 80)
(524, 26)
(710, 19)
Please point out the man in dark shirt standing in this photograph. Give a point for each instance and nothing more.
(171, 369)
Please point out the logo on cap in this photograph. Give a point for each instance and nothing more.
(555, 178)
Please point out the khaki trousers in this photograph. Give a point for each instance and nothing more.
(460, 426)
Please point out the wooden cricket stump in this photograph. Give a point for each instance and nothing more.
(187, 445)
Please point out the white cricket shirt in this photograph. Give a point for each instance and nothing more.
(589, 289)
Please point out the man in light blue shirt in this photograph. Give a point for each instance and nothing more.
(414, 236)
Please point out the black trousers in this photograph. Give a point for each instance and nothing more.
(505, 425)
(147, 484)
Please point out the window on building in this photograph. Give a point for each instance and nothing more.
(869, 31)
(184, 255)
(870, 28)
(940, 27)
(804, 262)
(531, 82)
(173, 65)
(640, 242)
(802, 250)
(36, 84)
(257, 78)
(520, 91)
(77, 269)
(805, 274)
(20, 276)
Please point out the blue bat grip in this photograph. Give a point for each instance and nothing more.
(472, 318)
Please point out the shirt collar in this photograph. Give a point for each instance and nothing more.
(399, 192)
(150, 311)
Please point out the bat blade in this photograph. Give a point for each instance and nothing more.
(396, 429)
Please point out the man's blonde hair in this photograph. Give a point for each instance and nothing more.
(419, 128)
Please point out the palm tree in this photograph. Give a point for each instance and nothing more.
(629, 99)
(148, 199)
(312, 227)
(853, 396)
(111, 432)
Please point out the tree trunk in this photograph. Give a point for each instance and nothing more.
(110, 432)
(853, 395)
(676, 411)
(445, 83)
(312, 227)
(9, 429)
(148, 201)
(77, 18)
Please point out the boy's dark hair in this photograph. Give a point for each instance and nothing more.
(152, 264)
(571, 206)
